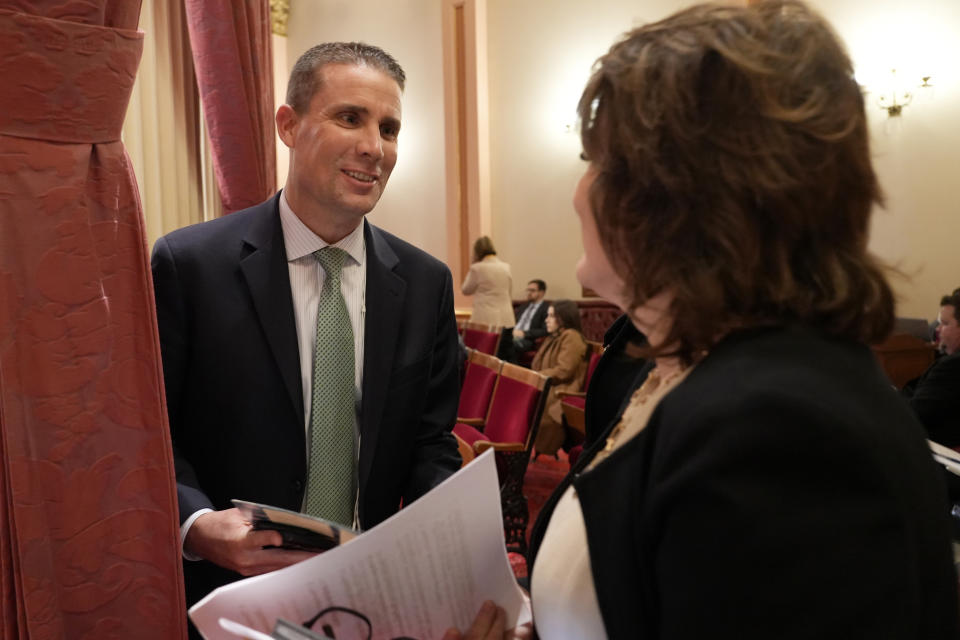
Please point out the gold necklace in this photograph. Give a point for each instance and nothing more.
(640, 396)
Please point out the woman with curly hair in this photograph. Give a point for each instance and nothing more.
(765, 481)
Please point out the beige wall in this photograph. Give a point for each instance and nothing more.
(916, 155)
(540, 57)
(414, 204)
(540, 53)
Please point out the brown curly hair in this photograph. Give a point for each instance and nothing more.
(733, 169)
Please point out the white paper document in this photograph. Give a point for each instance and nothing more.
(945, 456)
(427, 568)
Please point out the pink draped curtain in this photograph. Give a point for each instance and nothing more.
(232, 59)
(89, 536)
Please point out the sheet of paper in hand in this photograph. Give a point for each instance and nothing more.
(425, 569)
(299, 530)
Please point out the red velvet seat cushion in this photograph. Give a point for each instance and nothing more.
(467, 433)
(477, 389)
(574, 454)
(511, 411)
(575, 401)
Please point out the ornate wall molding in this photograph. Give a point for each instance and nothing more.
(279, 13)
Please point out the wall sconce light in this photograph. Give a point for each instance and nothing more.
(892, 102)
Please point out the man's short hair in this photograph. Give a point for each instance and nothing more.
(953, 300)
(541, 285)
(305, 77)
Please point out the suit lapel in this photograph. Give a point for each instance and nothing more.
(384, 304)
(264, 267)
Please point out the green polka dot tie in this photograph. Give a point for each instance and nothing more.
(330, 478)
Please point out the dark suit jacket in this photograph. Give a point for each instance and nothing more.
(232, 371)
(783, 490)
(538, 323)
(614, 380)
(935, 397)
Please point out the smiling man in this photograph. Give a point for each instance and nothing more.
(309, 357)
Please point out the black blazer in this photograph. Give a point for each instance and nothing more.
(935, 397)
(614, 380)
(538, 323)
(783, 490)
(232, 371)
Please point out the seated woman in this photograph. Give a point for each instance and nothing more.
(765, 481)
(490, 283)
(561, 358)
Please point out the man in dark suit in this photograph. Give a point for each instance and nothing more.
(249, 344)
(531, 318)
(935, 396)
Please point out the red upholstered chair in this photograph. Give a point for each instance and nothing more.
(574, 454)
(477, 389)
(510, 430)
(572, 402)
(482, 337)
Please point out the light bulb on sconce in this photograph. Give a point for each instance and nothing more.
(894, 100)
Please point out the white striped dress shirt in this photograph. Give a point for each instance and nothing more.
(306, 282)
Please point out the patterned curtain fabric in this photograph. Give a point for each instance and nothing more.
(232, 58)
(89, 540)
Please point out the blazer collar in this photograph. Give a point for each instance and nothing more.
(385, 294)
(263, 263)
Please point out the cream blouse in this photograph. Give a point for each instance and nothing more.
(562, 592)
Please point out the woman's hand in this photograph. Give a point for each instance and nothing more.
(489, 625)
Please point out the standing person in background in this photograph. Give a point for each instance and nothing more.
(562, 358)
(531, 319)
(490, 284)
(764, 481)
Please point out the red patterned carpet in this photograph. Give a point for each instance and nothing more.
(543, 475)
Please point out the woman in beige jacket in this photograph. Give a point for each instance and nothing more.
(562, 358)
(490, 284)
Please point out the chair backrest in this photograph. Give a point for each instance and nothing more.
(517, 404)
(594, 351)
(482, 337)
(478, 383)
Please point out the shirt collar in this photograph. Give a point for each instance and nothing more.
(300, 241)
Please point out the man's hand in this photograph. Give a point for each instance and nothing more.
(226, 539)
(518, 334)
(489, 625)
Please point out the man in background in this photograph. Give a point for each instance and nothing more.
(531, 318)
(935, 395)
(310, 358)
